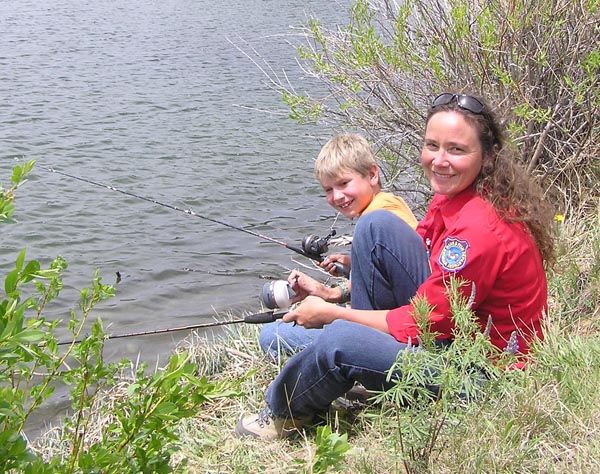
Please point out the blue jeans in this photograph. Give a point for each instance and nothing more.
(389, 262)
(343, 353)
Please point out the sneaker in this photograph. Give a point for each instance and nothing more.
(265, 425)
(353, 400)
(359, 394)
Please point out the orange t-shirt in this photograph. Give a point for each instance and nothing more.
(394, 204)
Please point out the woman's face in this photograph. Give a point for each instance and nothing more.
(452, 154)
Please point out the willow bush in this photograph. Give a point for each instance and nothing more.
(538, 61)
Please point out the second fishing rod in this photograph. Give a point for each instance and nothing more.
(312, 246)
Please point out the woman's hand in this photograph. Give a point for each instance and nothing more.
(313, 312)
(328, 264)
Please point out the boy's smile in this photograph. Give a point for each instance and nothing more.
(350, 193)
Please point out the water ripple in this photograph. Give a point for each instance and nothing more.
(152, 98)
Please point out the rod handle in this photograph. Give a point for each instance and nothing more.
(342, 270)
(265, 317)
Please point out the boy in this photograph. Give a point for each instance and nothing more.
(349, 175)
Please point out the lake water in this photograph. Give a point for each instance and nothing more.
(156, 99)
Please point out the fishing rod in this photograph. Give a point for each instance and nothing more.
(313, 246)
(189, 212)
(255, 318)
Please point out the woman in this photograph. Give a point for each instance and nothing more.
(487, 224)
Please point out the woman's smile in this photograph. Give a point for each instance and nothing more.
(442, 175)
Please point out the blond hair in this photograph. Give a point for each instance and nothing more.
(344, 152)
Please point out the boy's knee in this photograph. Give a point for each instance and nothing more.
(267, 338)
(279, 338)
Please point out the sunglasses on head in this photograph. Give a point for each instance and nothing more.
(465, 102)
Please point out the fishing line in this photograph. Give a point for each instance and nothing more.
(189, 212)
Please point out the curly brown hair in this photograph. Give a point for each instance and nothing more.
(515, 195)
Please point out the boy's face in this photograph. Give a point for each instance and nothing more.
(350, 193)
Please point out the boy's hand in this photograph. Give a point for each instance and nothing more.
(304, 286)
(328, 264)
(314, 312)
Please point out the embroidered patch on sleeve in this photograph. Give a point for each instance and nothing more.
(453, 256)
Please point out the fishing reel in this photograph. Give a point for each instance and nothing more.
(314, 246)
(277, 294)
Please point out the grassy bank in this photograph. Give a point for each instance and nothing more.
(546, 419)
